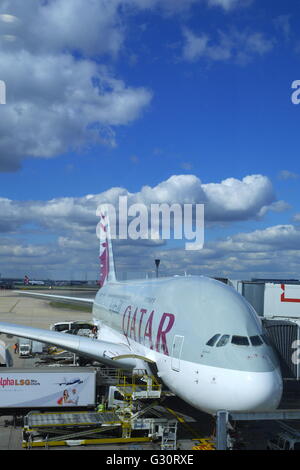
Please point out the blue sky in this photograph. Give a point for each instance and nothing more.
(197, 88)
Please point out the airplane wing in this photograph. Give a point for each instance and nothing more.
(111, 354)
(63, 298)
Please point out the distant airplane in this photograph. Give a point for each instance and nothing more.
(28, 282)
(198, 335)
(71, 382)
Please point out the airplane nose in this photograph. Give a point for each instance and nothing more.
(259, 391)
(243, 391)
(267, 390)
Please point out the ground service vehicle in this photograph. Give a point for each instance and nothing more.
(47, 388)
(285, 441)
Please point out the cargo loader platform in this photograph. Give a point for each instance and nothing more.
(154, 423)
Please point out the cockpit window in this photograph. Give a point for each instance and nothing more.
(213, 340)
(240, 340)
(219, 341)
(223, 340)
(256, 341)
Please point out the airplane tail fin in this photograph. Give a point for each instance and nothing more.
(107, 266)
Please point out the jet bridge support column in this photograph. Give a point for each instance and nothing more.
(221, 429)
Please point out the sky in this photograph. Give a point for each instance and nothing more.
(162, 101)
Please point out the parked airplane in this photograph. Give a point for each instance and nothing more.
(29, 282)
(204, 340)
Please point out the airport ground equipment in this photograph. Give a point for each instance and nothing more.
(106, 427)
(206, 443)
(6, 359)
(184, 421)
(25, 347)
(28, 347)
(136, 417)
(57, 429)
(47, 388)
(224, 417)
(134, 414)
(72, 325)
(287, 439)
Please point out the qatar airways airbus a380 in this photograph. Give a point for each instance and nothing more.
(204, 338)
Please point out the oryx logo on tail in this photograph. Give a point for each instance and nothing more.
(104, 254)
(107, 269)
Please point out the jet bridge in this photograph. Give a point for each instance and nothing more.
(285, 337)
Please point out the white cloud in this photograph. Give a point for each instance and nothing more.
(234, 199)
(60, 96)
(238, 46)
(90, 27)
(296, 218)
(229, 4)
(70, 225)
(57, 102)
(228, 201)
(283, 24)
(175, 6)
(54, 106)
(271, 252)
(288, 175)
(277, 236)
(195, 46)
(277, 206)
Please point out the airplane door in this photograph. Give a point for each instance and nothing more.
(176, 352)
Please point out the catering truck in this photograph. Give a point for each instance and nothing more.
(25, 347)
(47, 388)
(28, 348)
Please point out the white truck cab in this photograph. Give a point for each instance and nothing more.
(69, 325)
(24, 349)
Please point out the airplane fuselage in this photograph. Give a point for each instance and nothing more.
(170, 321)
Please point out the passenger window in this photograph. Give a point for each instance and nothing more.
(256, 341)
(240, 340)
(213, 340)
(223, 341)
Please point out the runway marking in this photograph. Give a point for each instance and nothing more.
(11, 310)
